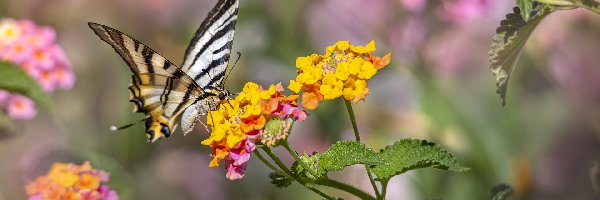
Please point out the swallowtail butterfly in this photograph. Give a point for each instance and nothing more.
(167, 93)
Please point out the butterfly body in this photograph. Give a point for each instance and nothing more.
(167, 93)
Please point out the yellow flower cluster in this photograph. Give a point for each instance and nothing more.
(342, 71)
(255, 115)
(70, 181)
(235, 119)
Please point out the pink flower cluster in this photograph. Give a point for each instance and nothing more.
(71, 181)
(35, 50)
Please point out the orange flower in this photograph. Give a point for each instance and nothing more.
(311, 100)
(88, 181)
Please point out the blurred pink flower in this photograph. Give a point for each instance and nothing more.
(17, 52)
(43, 59)
(34, 49)
(20, 107)
(407, 39)
(42, 37)
(3, 96)
(46, 80)
(329, 21)
(10, 31)
(461, 11)
(64, 78)
(574, 65)
(458, 51)
(415, 6)
(31, 69)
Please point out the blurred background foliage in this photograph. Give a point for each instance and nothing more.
(438, 88)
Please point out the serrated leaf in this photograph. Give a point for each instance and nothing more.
(346, 153)
(15, 80)
(279, 180)
(508, 43)
(500, 192)
(525, 6)
(409, 154)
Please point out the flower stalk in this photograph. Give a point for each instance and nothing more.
(357, 136)
(347, 188)
(288, 173)
(591, 5)
(294, 154)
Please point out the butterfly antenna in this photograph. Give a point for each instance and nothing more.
(115, 128)
(236, 61)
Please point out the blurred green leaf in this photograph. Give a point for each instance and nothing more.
(500, 192)
(15, 80)
(508, 43)
(409, 154)
(279, 180)
(6, 122)
(525, 6)
(346, 153)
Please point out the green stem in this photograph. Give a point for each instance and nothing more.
(384, 185)
(286, 145)
(348, 188)
(352, 119)
(557, 2)
(268, 164)
(279, 163)
(357, 136)
(373, 183)
(591, 5)
(289, 173)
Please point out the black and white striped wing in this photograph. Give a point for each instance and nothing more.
(158, 88)
(207, 55)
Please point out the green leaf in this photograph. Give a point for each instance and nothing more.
(508, 43)
(525, 6)
(15, 80)
(6, 122)
(279, 180)
(500, 192)
(312, 162)
(409, 154)
(346, 153)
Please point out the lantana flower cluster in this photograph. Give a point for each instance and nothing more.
(342, 71)
(256, 115)
(70, 181)
(35, 50)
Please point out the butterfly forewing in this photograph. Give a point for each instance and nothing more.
(207, 56)
(158, 88)
(166, 93)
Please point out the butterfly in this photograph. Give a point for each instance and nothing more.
(167, 93)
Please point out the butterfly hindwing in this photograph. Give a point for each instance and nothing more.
(208, 54)
(158, 88)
